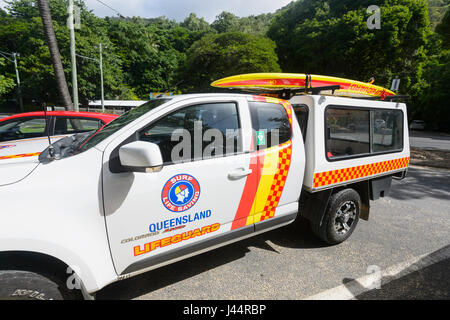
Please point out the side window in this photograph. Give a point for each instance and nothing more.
(347, 132)
(301, 112)
(353, 132)
(271, 124)
(387, 130)
(196, 132)
(22, 129)
(65, 125)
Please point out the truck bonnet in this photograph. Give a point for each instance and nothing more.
(19, 158)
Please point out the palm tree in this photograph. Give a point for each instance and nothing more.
(52, 43)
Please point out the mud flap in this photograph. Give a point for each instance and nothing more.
(312, 206)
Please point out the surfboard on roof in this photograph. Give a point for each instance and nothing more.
(276, 82)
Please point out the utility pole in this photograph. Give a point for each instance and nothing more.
(73, 57)
(100, 62)
(101, 77)
(15, 55)
(19, 89)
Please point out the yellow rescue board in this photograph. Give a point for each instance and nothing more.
(263, 82)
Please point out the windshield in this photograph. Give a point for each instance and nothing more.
(101, 134)
(81, 142)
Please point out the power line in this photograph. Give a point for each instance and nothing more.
(3, 54)
(81, 56)
(108, 6)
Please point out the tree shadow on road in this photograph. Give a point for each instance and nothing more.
(422, 183)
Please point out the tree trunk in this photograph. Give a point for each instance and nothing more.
(52, 43)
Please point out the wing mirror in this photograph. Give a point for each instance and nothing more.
(141, 156)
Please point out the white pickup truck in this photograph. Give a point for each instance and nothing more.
(177, 177)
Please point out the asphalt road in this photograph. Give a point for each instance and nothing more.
(429, 140)
(290, 263)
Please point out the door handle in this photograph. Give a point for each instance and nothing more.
(240, 173)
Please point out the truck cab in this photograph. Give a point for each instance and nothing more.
(179, 176)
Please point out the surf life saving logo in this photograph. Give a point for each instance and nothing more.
(180, 193)
(7, 146)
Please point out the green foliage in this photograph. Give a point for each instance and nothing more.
(150, 53)
(432, 93)
(332, 37)
(193, 23)
(217, 56)
(443, 29)
(22, 31)
(6, 83)
(431, 101)
(228, 22)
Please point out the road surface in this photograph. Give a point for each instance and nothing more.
(429, 140)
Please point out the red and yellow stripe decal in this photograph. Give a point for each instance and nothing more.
(342, 175)
(278, 180)
(24, 155)
(264, 186)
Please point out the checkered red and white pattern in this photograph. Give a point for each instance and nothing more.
(341, 175)
(279, 180)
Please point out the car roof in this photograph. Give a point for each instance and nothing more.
(96, 115)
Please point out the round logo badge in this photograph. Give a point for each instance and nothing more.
(7, 146)
(180, 193)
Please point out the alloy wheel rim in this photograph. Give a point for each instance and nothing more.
(345, 217)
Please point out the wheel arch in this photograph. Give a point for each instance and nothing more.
(312, 206)
(37, 262)
(48, 265)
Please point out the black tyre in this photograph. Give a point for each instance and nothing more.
(25, 285)
(341, 217)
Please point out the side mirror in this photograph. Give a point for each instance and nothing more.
(140, 156)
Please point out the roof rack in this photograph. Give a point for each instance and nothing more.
(388, 98)
(289, 93)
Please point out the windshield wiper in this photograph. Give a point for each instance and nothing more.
(64, 147)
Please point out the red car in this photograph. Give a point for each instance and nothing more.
(33, 124)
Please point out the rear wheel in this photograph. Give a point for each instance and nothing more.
(341, 217)
(25, 285)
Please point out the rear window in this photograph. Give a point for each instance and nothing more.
(71, 125)
(387, 130)
(270, 123)
(347, 132)
(357, 132)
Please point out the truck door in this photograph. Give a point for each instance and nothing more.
(155, 217)
(281, 161)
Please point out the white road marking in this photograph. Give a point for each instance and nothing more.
(367, 283)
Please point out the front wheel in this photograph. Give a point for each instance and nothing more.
(341, 217)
